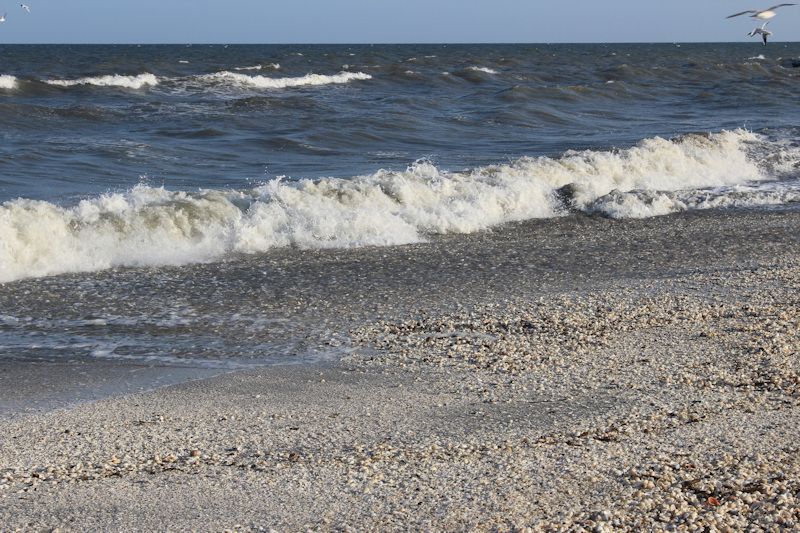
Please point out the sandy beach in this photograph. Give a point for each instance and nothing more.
(572, 374)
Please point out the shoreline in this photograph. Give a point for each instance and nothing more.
(319, 295)
(608, 382)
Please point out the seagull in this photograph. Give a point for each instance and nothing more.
(3, 18)
(26, 8)
(761, 14)
(762, 31)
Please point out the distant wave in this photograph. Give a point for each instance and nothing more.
(264, 82)
(219, 78)
(8, 82)
(485, 70)
(113, 80)
(274, 66)
(154, 226)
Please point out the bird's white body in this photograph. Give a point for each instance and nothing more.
(761, 14)
(763, 32)
(760, 31)
(3, 18)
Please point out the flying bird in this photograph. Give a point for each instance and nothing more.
(26, 8)
(763, 32)
(3, 18)
(761, 14)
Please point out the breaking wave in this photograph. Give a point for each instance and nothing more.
(113, 80)
(485, 70)
(8, 82)
(645, 204)
(228, 78)
(274, 66)
(265, 82)
(154, 226)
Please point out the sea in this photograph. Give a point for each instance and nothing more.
(142, 188)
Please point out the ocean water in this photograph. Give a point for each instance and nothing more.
(172, 156)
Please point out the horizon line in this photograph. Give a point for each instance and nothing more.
(420, 43)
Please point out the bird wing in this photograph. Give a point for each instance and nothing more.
(779, 5)
(742, 13)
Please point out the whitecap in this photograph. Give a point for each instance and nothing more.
(264, 82)
(273, 66)
(485, 70)
(155, 226)
(113, 80)
(8, 82)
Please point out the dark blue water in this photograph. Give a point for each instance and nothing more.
(432, 102)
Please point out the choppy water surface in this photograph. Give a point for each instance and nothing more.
(171, 155)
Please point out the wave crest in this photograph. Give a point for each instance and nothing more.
(8, 82)
(265, 82)
(113, 80)
(274, 66)
(153, 226)
(485, 70)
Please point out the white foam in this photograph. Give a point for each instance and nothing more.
(153, 226)
(645, 204)
(274, 66)
(657, 164)
(8, 82)
(485, 70)
(264, 82)
(113, 80)
(638, 204)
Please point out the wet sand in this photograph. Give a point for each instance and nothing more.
(580, 373)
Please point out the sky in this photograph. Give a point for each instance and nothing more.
(385, 21)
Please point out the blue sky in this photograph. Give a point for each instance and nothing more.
(378, 21)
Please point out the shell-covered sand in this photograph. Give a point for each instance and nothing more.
(667, 402)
